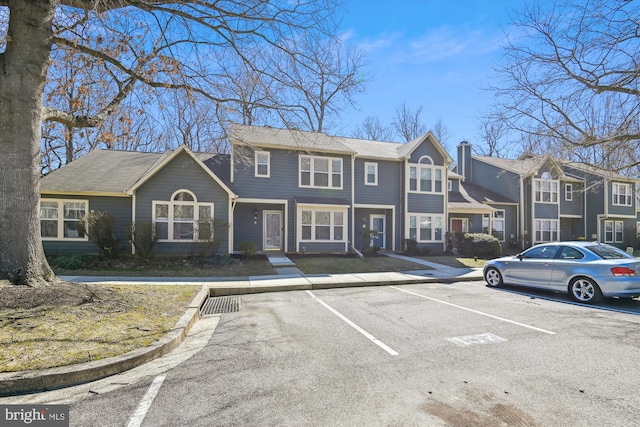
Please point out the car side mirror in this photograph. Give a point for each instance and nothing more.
(520, 256)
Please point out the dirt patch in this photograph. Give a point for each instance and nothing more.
(67, 323)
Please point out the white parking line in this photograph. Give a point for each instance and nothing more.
(356, 327)
(145, 403)
(475, 311)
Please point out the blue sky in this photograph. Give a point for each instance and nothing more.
(437, 54)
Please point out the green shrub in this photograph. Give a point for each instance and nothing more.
(71, 262)
(372, 250)
(367, 237)
(248, 248)
(482, 245)
(143, 236)
(411, 247)
(100, 227)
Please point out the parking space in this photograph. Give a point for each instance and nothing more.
(423, 354)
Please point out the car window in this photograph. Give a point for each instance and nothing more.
(608, 252)
(543, 252)
(567, 252)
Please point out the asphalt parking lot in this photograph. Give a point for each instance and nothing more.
(457, 354)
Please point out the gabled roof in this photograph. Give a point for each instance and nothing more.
(526, 166)
(100, 171)
(463, 202)
(265, 136)
(598, 171)
(115, 173)
(484, 195)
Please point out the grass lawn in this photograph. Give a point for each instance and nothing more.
(337, 264)
(223, 266)
(121, 319)
(452, 261)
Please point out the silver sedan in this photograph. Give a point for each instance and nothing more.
(586, 270)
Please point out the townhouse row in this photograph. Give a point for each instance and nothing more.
(294, 191)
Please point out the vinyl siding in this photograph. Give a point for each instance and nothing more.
(545, 211)
(498, 180)
(118, 207)
(182, 174)
(573, 206)
(426, 203)
(389, 188)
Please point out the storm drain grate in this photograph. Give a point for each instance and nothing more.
(219, 305)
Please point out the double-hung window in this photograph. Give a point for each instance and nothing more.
(263, 164)
(183, 218)
(425, 177)
(546, 189)
(318, 224)
(498, 224)
(59, 219)
(425, 228)
(320, 172)
(370, 173)
(546, 230)
(621, 194)
(613, 231)
(568, 192)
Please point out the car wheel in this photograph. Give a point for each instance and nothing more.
(585, 290)
(493, 277)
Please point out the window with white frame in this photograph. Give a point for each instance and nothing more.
(485, 223)
(498, 224)
(621, 194)
(425, 177)
(613, 231)
(59, 219)
(546, 189)
(546, 230)
(263, 164)
(568, 192)
(426, 228)
(322, 172)
(183, 218)
(370, 173)
(322, 224)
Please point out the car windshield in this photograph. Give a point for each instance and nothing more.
(608, 252)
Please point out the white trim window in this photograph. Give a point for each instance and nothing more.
(498, 224)
(546, 189)
(183, 218)
(370, 173)
(318, 224)
(262, 164)
(320, 172)
(59, 219)
(546, 230)
(613, 231)
(426, 228)
(621, 194)
(568, 192)
(425, 177)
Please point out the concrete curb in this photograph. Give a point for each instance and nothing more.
(25, 382)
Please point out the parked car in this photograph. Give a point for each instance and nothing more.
(586, 270)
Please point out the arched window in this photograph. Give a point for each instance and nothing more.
(546, 189)
(425, 177)
(183, 218)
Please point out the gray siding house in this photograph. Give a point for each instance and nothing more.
(286, 191)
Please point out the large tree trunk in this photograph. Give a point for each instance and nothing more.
(23, 68)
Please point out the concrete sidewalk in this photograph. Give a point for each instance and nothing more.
(288, 278)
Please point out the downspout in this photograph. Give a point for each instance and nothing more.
(230, 236)
(521, 204)
(353, 207)
(405, 194)
(133, 220)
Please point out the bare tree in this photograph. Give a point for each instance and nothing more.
(442, 133)
(312, 89)
(373, 130)
(407, 122)
(492, 132)
(570, 77)
(160, 44)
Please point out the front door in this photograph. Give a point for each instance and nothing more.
(272, 230)
(378, 224)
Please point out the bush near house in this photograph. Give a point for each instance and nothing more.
(482, 245)
(100, 227)
(248, 248)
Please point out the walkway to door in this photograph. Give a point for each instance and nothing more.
(283, 265)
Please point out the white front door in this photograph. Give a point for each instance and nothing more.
(378, 224)
(272, 230)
